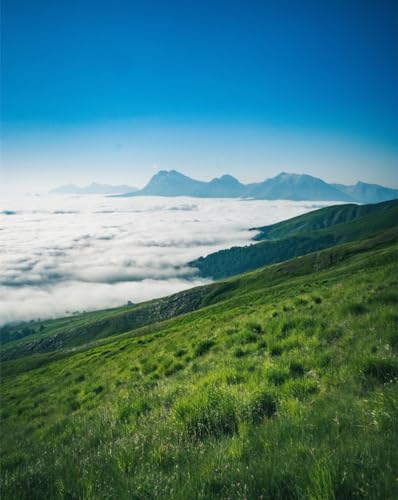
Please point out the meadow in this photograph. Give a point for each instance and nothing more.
(282, 384)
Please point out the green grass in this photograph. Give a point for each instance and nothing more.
(301, 235)
(282, 384)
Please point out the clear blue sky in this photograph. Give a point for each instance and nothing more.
(114, 90)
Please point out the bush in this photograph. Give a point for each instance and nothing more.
(203, 347)
(381, 369)
(276, 350)
(263, 404)
(175, 367)
(180, 352)
(296, 368)
(278, 376)
(239, 353)
(210, 412)
(357, 309)
(255, 327)
(249, 338)
(386, 297)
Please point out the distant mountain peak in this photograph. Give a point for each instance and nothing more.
(285, 185)
(226, 179)
(93, 188)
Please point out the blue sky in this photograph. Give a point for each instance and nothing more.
(113, 91)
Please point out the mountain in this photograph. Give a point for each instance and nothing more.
(299, 236)
(295, 187)
(173, 183)
(368, 193)
(298, 187)
(93, 188)
(280, 383)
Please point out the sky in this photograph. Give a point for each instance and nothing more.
(114, 91)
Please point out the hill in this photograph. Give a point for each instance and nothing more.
(306, 233)
(281, 383)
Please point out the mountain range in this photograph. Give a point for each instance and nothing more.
(286, 186)
(93, 188)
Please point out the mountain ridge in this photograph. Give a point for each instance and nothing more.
(299, 236)
(93, 188)
(295, 187)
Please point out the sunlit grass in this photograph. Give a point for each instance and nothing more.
(286, 389)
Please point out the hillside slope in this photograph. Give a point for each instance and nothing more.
(306, 233)
(284, 386)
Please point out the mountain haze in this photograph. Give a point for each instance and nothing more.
(368, 193)
(93, 188)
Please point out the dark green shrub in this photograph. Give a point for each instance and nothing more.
(180, 352)
(239, 353)
(255, 327)
(381, 369)
(262, 405)
(278, 375)
(296, 368)
(357, 309)
(276, 350)
(386, 297)
(249, 338)
(287, 326)
(203, 347)
(173, 369)
(262, 344)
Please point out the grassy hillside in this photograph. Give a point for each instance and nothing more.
(324, 218)
(282, 384)
(301, 235)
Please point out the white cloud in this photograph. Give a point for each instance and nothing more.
(60, 254)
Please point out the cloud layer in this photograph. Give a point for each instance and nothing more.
(64, 254)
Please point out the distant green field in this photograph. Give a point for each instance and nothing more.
(280, 384)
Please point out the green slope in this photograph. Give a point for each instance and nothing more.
(283, 384)
(301, 235)
(323, 218)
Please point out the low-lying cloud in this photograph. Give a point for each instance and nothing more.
(65, 254)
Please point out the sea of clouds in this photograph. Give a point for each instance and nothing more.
(62, 254)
